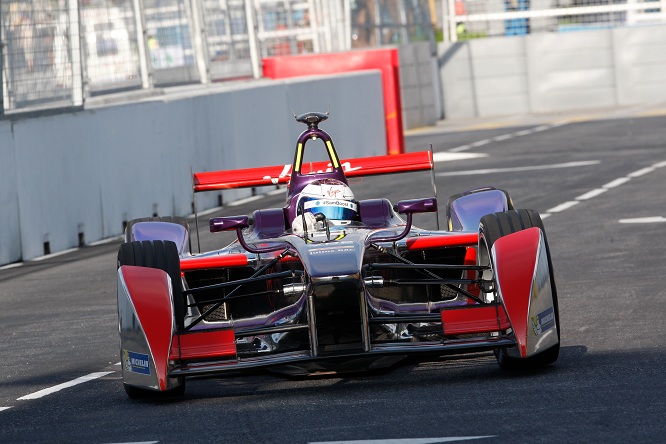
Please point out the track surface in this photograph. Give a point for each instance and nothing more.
(58, 319)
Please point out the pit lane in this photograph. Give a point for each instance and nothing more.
(58, 321)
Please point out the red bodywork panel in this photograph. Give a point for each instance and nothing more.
(474, 319)
(280, 174)
(449, 240)
(154, 311)
(515, 262)
(221, 261)
(203, 344)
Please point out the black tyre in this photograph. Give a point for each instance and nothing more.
(140, 393)
(170, 219)
(492, 227)
(162, 255)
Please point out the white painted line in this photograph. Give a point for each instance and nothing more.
(246, 200)
(544, 215)
(641, 172)
(617, 182)
(408, 440)
(542, 128)
(59, 253)
(560, 123)
(5, 408)
(480, 143)
(7, 267)
(591, 194)
(503, 137)
(643, 220)
(523, 132)
(57, 388)
(660, 164)
(446, 156)
(105, 241)
(515, 169)
(460, 148)
(564, 206)
(136, 442)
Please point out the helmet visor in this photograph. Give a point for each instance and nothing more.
(333, 209)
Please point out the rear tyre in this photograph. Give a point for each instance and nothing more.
(162, 255)
(492, 227)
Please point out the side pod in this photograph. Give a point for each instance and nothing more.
(146, 325)
(524, 285)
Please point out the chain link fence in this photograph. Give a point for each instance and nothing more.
(40, 55)
(466, 19)
(56, 53)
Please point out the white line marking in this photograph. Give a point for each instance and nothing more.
(57, 388)
(502, 137)
(7, 267)
(591, 194)
(407, 441)
(617, 182)
(641, 172)
(564, 206)
(523, 133)
(480, 143)
(643, 220)
(105, 241)
(515, 169)
(59, 253)
(542, 128)
(545, 215)
(660, 164)
(460, 148)
(137, 442)
(446, 156)
(5, 408)
(246, 200)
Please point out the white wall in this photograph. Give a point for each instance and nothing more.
(550, 72)
(91, 170)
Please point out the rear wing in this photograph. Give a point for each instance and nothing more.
(280, 174)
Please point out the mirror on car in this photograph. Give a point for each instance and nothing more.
(228, 223)
(412, 206)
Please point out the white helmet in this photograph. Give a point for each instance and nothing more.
(330, 197)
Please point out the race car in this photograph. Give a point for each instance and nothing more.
(328, 283)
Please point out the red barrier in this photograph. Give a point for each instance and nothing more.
(385, 60)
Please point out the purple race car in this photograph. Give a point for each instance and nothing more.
(329, 283)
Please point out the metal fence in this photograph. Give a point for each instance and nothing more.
(57, 53)
(465, 19)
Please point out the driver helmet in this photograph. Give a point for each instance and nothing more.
(330, 197)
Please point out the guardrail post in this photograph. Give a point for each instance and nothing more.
(75, 42)
(146, 78)
(252, 38)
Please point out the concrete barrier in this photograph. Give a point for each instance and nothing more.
(550, 72)
(76, 178)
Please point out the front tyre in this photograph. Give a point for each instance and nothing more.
(492, 227)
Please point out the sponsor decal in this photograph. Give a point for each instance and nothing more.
(136, 362)
(544, 321)
(331, 250)
(330, 203)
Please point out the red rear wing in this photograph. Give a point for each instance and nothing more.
(280, 174)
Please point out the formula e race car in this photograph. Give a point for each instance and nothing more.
(329, 283)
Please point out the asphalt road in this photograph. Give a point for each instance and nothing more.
(601, 185)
